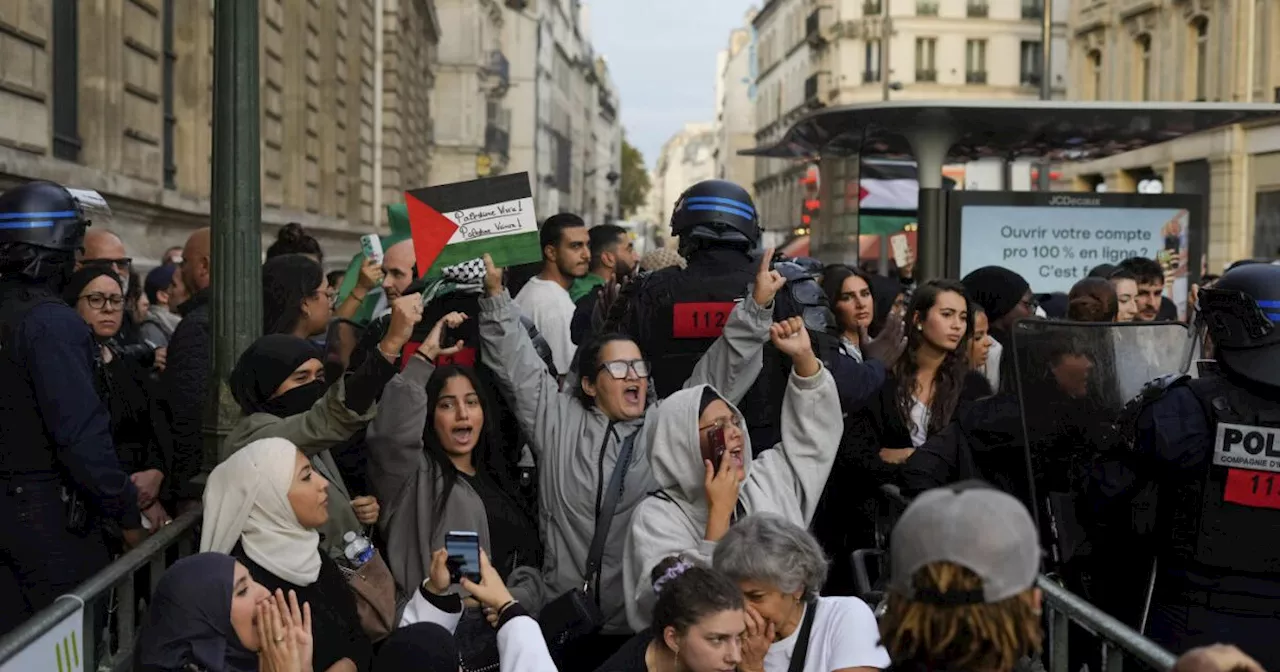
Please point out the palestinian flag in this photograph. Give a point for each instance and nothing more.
(888, 185)
(457, 222)
(398, 217)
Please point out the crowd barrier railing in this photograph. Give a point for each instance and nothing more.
(1116, 639)
(71, 634)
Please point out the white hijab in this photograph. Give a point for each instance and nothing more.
(247, 500)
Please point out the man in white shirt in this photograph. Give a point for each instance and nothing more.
(545, 298)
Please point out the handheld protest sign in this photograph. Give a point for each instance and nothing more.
(465, 220)
(1055, 239)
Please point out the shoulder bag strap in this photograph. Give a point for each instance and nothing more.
(617, 482)
(801, 651)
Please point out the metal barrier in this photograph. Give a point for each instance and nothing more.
(1118, 639)
(111, 590)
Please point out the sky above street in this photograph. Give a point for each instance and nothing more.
(662, 56)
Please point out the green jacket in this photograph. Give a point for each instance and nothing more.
(328, 423)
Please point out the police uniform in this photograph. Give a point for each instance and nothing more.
(59, 474)
(1212, 446)
(675, 314)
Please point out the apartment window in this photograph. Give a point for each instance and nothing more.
(871, 7)
(1095, 75)
(975, 62)
(66, 80)
(170, 120)
(926, 59)
(872, 71)
(977, 9)
(563, 159)
(1030, 59)
(1144, 67)
(1032, 9)
(1200, 29)
(1260, 23)
(926, 8)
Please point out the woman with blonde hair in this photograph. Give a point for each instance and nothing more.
(962, 595)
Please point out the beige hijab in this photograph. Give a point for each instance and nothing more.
(247, 500)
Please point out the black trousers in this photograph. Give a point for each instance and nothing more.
(1181, 626)
(39, 558)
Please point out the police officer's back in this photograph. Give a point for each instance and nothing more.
(1212, 446)
(60, 478)
(675, 314)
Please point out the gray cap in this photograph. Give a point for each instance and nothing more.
(972, 525)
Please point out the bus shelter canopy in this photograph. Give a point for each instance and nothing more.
(1057, 130)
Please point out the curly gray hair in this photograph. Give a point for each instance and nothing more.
(767, 548)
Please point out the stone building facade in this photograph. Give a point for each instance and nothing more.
(117, 96)
(1188, 50)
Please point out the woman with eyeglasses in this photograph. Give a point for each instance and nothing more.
(708, 478)
(579, 434)
(95, 292)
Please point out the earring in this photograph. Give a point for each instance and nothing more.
(919, 327)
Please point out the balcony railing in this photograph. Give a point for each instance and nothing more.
(1032, 11)
(978, 10)
(870, 76)
(871, 7)
(926, 75)
(517, 5)
(497, 141)
(975, 78)
(499, 68)
(926, 9)
(1030, 79)
(811, 88)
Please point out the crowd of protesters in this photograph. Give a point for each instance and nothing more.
(615, 530)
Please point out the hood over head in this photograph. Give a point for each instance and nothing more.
(675, 451)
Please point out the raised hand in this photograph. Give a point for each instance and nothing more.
(370, 276)
(279, 650)
(756, 641)
(889, 344)
(721, 486)
(366, 508)
(492, 277)
(768, 281)
(490, 592)
(431, 347)
(406, 313)
(438, 578)
(791, 338)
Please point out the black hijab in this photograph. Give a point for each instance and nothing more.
(81, 279)
(189, 622)
(268, 363)
(421, 646)
(884, 292)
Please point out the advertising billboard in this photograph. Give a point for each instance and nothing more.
(1054, 239)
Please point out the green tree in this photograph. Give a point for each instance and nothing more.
(635, 180)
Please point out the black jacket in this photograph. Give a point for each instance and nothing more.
(185, 389)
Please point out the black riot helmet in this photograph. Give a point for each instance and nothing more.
(715, 212)
(42, 226)
(1242, 313)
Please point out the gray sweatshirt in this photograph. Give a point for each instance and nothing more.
(577, 448)
(787, 480)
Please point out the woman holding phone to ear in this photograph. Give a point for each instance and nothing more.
(703, 462)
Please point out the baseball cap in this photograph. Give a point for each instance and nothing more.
(158, 280)
(973, 525)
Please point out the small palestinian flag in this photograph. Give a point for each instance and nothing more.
(888, 186)
(459, 222)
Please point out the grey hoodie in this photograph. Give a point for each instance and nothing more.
(787, 480)
(577, 448)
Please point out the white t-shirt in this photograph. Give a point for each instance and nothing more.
(549, 306)
(845, 634)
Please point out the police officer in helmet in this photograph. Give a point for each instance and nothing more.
(1212, 448)
(60, 478)
(675, 314)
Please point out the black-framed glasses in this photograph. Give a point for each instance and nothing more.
(123, 264)
(618, 368)
(100, 301)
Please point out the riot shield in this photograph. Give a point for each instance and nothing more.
(1074, 379)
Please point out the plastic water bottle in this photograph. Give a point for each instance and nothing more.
(358, 549)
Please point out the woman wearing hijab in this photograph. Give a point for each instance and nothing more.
(708, 478)
(263, 506)
(207, 615)
(279, 384)
(96, 294)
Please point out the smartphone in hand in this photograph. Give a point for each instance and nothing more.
(716, 443)
(464, 555)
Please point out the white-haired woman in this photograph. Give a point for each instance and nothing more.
(780, 568)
